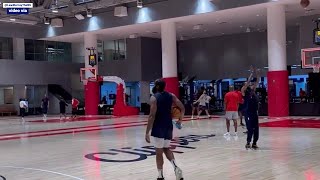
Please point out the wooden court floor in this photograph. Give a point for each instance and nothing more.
(114, 149)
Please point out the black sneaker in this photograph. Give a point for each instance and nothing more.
(245, 132)
(160, 178)
(254, 146)
(248, 146)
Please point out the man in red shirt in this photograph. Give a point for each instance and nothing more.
(75, 104)
(231, 105)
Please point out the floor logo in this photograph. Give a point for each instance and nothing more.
(144, 152)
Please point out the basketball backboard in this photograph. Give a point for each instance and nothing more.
(88, 74)
(310, 58)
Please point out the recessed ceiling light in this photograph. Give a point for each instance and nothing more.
(139, 4)
(46, 20)
(12, 19)
(258, 15)
(241, 26)
(89, 13)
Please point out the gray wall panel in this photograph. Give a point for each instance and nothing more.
(151, 58)
(37, 73)
(230, 56)
(128, 69)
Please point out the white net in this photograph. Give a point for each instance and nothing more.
(85, 82)
(316, 69)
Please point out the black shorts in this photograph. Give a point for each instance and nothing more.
(45, 110)
(22, 112)
(74, 111)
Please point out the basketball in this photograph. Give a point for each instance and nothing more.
(175, 113)
(305, 3)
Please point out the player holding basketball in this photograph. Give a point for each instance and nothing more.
(251, 111)
(160, 121)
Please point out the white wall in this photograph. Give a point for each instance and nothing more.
(1, 96)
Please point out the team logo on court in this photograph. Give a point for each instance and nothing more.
(144, 152)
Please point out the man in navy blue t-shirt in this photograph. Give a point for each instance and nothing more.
(160, 124)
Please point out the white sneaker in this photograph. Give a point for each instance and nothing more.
(227, 134)
(178, 173)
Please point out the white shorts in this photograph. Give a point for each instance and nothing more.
(161, 143)
(232, 115)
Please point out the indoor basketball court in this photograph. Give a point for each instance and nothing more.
(108, 90)
(97, 147)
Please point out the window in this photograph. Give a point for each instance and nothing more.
(37, 50)
(6, 48)
(115, 50)
(6, 95)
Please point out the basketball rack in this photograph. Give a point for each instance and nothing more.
(88, 74)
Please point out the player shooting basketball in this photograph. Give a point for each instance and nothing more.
(160, 121)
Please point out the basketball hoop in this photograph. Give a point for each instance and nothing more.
(316, 69)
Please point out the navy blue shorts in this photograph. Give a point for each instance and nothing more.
(163, 133)
(44, 110)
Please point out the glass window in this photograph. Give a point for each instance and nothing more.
(37, 50)
(115, 50)
(6, 95)
(6, 48)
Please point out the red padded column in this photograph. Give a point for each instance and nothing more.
(92, 97)
(278, 93)
(172, 85)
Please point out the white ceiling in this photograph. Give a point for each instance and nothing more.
(217, 23)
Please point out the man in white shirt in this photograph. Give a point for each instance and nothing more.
(23, 106)
(202, 104)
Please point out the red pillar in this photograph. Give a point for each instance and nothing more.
(278, 93)
(92, 97)
(172, 85)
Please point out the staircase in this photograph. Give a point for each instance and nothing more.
(59, 92)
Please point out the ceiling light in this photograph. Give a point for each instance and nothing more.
(79, 16)
(12, 19)
(139, 4)
(258, 15)
(248, 30)
(89, 13)
(54, 9)
(133, 36)
(197, 27)
(46, 20)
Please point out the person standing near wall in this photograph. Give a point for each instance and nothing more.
(23, 106)
(63, 105)
(75, 104)
(45, 107)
